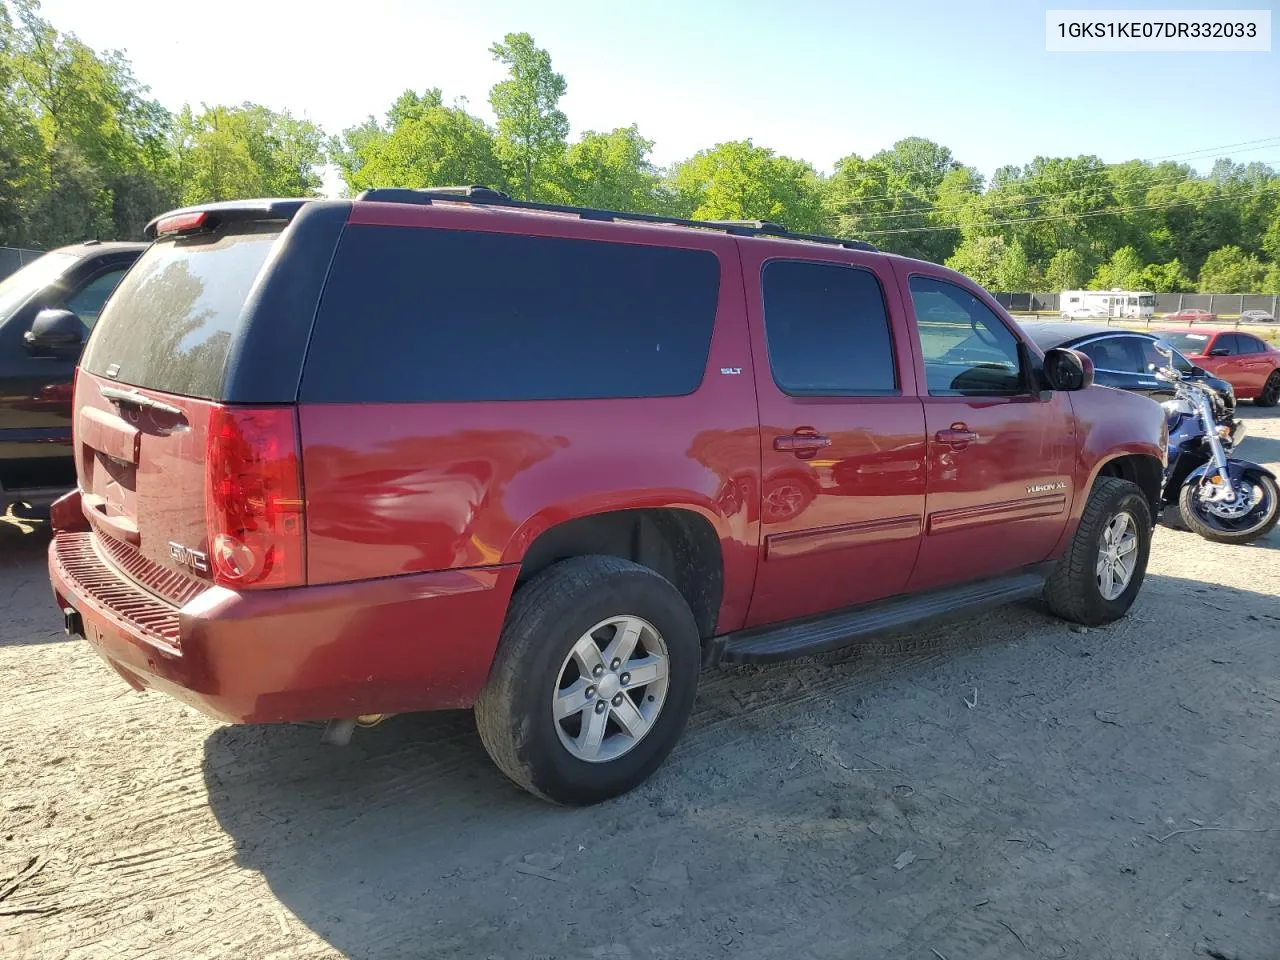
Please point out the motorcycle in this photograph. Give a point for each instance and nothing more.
(1222, 499)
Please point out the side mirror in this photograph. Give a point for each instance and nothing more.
(1219, 352)
(1067, 369)
(55, 333)
(1164, 348)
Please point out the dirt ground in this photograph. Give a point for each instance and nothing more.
(1000, 788)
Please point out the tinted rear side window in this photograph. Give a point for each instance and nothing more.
(827, 330)
(1248, 344)
(419, 315)
(169, 324)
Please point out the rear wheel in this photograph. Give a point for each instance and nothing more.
(593, 681)
(1270, 394)
(1099, 577)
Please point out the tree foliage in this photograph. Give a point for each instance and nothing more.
(1230, 270)
(740, 181)
(531, 127)
(86, 152)
(609, 170)
(422, 144)
(223, 153)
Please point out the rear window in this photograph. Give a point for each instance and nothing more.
(170, 322)
(419, 315)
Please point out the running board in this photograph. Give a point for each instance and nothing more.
(804, 638)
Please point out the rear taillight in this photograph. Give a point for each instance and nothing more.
(255, 509)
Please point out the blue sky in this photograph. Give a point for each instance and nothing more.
(810, 78)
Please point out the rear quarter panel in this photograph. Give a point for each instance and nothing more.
(403, 488)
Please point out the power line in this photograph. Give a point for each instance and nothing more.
(1264, 143)
(1225, 146)
(1024, 201)
(1069, 216)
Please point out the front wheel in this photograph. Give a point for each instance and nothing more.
(1232, 522)
(593, 681)
(1098, 579)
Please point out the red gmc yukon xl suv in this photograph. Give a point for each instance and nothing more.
(441, 449)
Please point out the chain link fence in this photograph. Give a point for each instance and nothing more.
(1227, 306)
(13, 259)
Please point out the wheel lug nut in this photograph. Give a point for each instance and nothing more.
(616, 663)
(597, 670)
(617, 700)
(601, 706)
(591, 692)
(625, 679)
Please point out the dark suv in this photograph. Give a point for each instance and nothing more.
(46, 310)
(441, 449)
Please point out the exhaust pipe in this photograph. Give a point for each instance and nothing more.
(338, 732)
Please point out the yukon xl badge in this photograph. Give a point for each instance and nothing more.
(1046, 487)
(186, 557)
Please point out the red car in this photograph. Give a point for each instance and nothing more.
(441, 449)
(1248, 363)
(1191, 316)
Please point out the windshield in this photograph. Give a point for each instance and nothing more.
(170, 323)
(1189, 343)
(17, 288)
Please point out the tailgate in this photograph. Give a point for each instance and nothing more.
(140, 457)
(153, 373)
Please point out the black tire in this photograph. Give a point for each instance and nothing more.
(1270, 394)
(547, 617)
(1225, 533)
(1072, 591)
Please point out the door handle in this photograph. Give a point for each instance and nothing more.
(122, 528)
(803, 443)
(958, 436)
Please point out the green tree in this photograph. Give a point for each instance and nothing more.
(1271, 282)
(740, 181)
(1168, 277)
(1271, 239)
(1066, 271)
(907, 199)
(425, 146)
(411, 106)
(1122, 272)
(611, 171)
(349, 150)
(1230, 270)
(917, 164)
(21, 148)
(531, 127)
(225, 153)
(980, 259)
(1015, 273)
(96, 132)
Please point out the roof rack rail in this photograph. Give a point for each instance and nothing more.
(489, 197)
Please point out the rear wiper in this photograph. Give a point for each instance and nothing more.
(133, 398)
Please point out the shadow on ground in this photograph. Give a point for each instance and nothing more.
(985, 788)
(27, 611)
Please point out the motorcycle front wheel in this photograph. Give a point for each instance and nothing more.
(1258, 522)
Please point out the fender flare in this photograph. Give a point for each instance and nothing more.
(1235, 469)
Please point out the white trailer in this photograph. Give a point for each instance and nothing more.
(1106, 304)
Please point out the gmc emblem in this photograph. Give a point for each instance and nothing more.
(186, 557)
